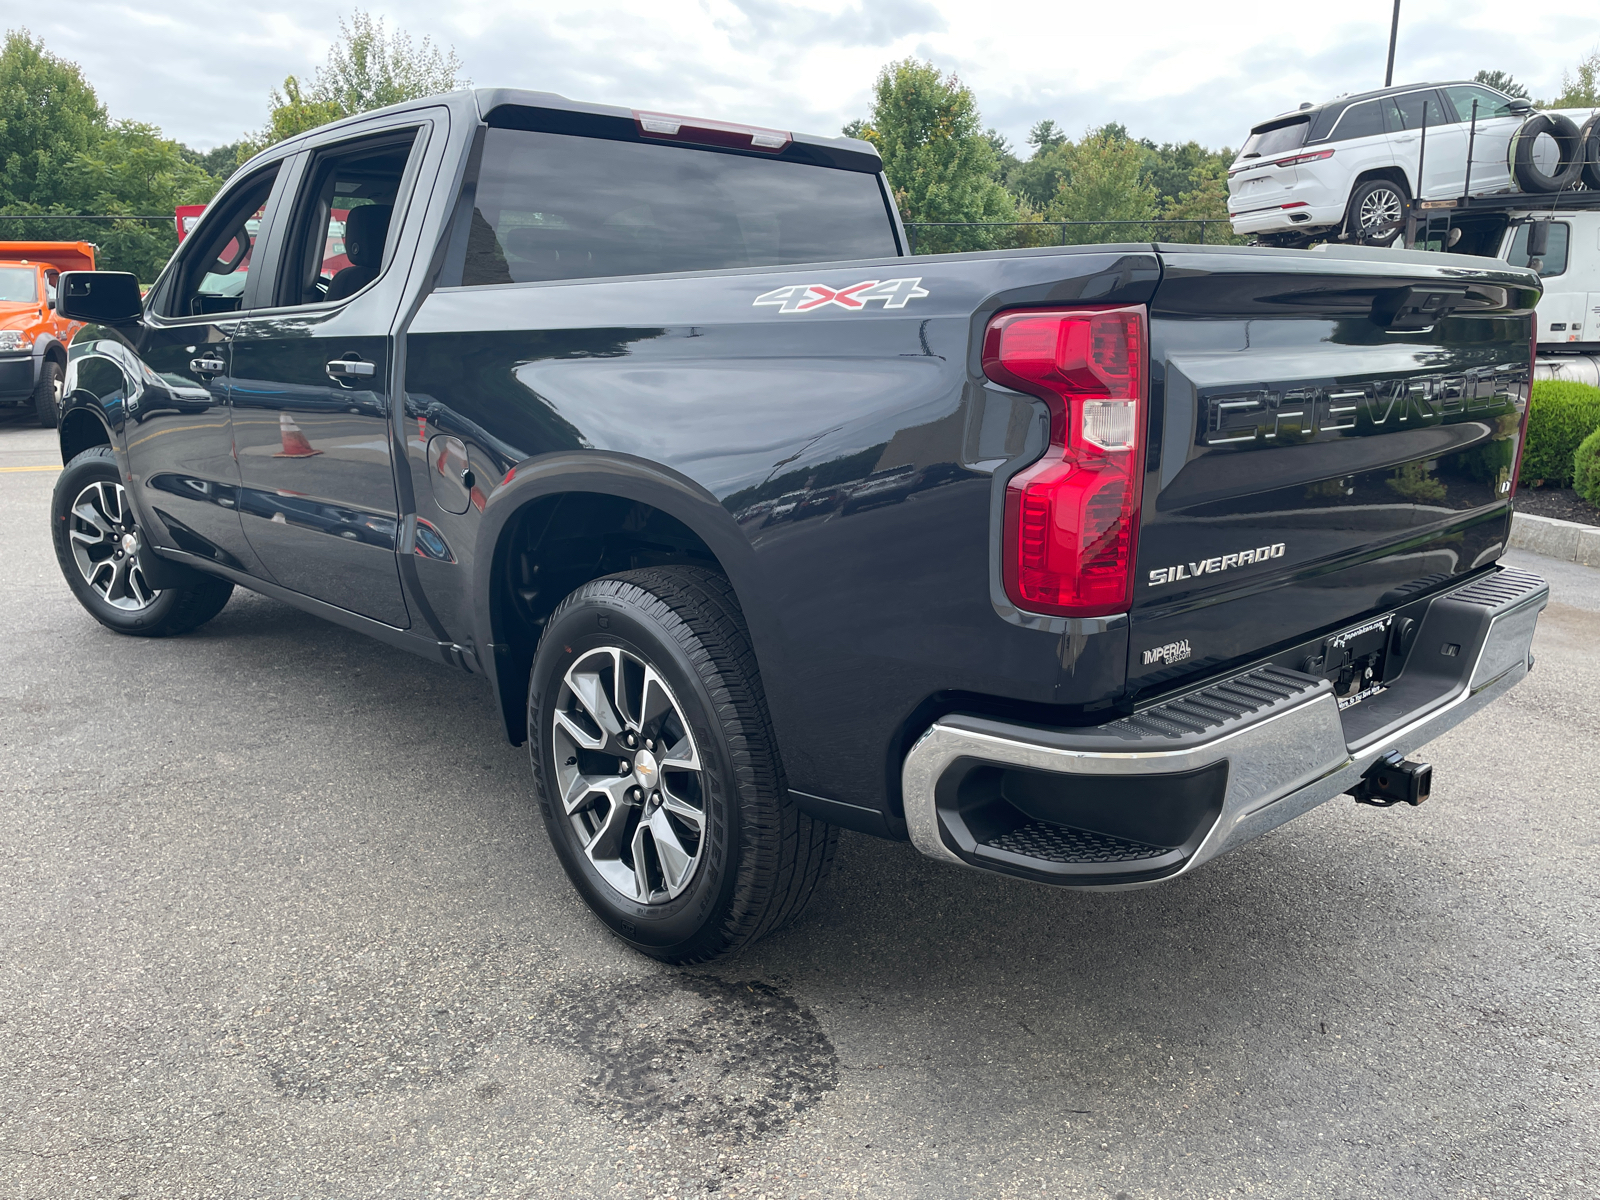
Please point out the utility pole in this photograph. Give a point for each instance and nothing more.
(1394, 32)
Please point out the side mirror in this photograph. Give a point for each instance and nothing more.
(1538, 239)
(1520, 105)
(100, 297)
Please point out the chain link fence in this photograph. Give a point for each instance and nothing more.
(949, 237)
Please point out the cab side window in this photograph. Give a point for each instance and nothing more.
(345, 220)
(215, 265)
(1554, 261)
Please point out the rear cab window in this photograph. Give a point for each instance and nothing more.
(557, 206)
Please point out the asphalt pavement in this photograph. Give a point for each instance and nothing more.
(278, 919)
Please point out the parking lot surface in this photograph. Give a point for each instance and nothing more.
(279, 919)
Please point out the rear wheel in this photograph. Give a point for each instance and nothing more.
(1376, 213)
(658, 774)
(107, 562)
(47, 394)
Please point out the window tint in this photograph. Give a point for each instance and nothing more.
(17, 285)
(1408, 112)
(1555, 255)
(1490, 104)
(551, 206)
(1359, 120)
(344, 220)
(216, 257)
(1276, 140)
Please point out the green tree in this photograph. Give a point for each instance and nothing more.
(1036, 181)
(1501, 81)
(1582, 89)
(290, 112)
(939, 163)
(1207, 200)
(1174, 169)
(48, 114)
(368, 67)
(1046, 135)
(60, 154)
(1105, 182)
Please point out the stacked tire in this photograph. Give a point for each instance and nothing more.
(1577, 154)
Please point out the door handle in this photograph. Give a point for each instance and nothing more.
(342, 370)
(207, 366)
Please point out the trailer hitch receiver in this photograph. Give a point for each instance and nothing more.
(1392, 780)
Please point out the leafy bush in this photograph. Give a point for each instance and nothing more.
(1586, 468)
(1561, 415)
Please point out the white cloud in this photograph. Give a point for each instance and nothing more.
(1169, 71)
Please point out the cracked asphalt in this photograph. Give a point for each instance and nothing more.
(278, 919)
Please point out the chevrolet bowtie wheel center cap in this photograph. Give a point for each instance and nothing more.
(130, 544)
(645, 771)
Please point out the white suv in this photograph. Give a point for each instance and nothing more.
(1306, 172)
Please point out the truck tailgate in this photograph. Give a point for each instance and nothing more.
(1332, 432)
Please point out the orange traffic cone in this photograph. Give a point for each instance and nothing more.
(294, 442)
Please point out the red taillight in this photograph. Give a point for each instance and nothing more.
(711, 133)
(1072, 518)
(1303, 158)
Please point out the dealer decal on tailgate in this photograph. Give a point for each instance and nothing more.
(807, 297)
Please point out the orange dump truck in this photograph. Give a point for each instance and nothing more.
(33, 339)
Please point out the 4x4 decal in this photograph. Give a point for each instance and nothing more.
(804, 297)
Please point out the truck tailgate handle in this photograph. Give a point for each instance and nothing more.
(1423, 304)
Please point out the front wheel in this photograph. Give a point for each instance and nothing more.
(105, 557)
(47, 394)
(657, 771)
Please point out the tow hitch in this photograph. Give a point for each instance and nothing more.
(1393, 779)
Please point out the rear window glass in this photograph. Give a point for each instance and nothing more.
(1359, 120)
(1555, 255)
(553, 206)
(18, 285)
(1276, 140)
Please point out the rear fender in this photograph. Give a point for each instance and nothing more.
(605, 474)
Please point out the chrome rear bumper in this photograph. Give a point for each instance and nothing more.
(1247, 753)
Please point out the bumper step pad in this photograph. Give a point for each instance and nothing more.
(1064, 844)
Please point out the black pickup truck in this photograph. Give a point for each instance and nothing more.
(1081, 565)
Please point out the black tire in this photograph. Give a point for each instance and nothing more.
(1589, 142)
(136, 607)
(1377, 212)
(47, 394)
(1569, 167)
(758, 859)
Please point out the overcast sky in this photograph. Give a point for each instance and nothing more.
(1170, 71)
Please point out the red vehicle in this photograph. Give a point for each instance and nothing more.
(33, 339)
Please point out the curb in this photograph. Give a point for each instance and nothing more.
(1566, 540)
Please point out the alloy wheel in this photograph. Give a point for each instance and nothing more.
(1380, 209)
(630, 775)
(107, 545)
